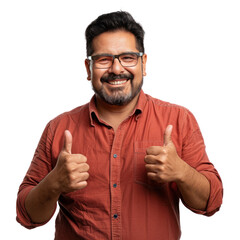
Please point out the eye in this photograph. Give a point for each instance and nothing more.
(128, 57)
(103, 60)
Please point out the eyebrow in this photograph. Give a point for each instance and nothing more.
(108, 54)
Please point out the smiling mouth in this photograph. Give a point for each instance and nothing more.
(117, 82)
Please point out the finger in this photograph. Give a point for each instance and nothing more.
(78, 158)
(150, 159)
(154, 150)
(152, 176)
(84, 176)
(83, 167)
(151, 168)
(77, 186)
(81, 185)
(78, 178)
(67, 142)
(167, 135)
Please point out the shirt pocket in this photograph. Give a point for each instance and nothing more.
(140, 173)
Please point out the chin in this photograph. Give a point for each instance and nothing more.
(118, 99)
(117, 96)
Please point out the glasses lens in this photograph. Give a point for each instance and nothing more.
(128, 59)
(103, 61)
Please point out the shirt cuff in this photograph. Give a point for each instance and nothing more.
(215, 196)
(22, 215)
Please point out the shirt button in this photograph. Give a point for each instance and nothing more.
(114, 185)
(115, 216)
(115, 155)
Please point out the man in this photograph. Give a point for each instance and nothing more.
(118, 165)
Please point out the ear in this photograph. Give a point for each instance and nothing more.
(144, 62)
(88, 68)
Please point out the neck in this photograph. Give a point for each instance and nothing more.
(114, 115)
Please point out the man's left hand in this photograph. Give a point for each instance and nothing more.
(163, 163)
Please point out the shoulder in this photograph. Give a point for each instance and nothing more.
(73, 114)
(182, 119)
(164, 105)
(70, 118)
(171, 112)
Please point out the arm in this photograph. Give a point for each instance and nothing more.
(194, 188)
(69, 174)
(41, 201)
(164, 165)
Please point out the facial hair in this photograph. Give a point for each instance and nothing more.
(118, 97)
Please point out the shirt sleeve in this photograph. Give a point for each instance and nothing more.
(39, 168)
(194, 153)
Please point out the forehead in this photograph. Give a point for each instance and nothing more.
(114, 42)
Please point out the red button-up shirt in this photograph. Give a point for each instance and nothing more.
(120, 202)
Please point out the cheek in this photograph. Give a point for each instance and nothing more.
(138, 75)
(96, 75)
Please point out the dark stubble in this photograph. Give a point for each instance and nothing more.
(118, 97)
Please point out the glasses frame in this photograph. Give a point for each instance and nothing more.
(92, 58)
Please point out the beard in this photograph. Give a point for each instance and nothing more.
(118, 96)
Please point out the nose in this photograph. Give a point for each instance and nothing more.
(116, 67)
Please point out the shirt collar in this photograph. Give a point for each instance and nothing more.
(142, 100)
(93, 113)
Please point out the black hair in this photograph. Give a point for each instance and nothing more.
(119, 20)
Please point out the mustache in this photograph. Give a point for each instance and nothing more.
(112, 76)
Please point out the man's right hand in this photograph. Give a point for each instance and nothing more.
(70, 174)
(71, 170)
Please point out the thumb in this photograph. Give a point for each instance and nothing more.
(167, 135)
(67, 141)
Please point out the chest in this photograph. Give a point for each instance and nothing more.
(117, 157)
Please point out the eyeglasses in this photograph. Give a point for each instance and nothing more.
(104, 61)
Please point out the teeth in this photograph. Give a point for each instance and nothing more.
(117, 82)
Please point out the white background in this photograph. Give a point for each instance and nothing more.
(193, 52)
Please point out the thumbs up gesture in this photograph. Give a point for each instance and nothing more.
(163, 163)
(71, 170)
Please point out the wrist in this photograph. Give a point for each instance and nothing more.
(52, 185)
(185, 173)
